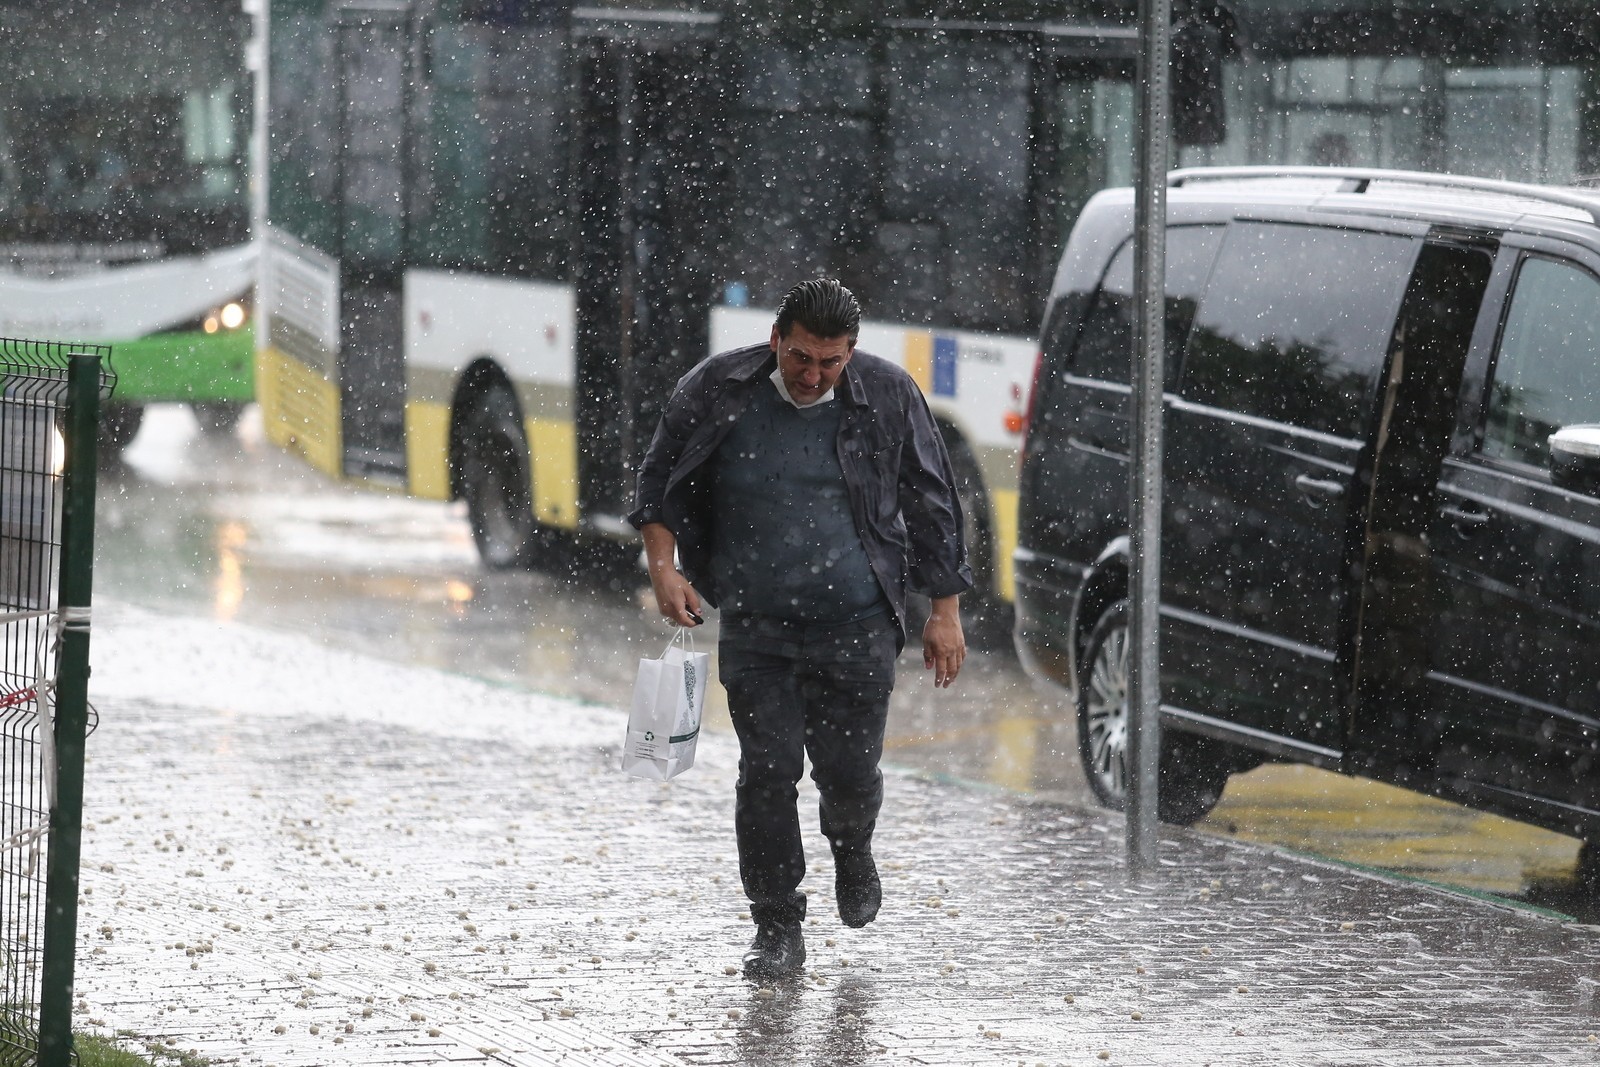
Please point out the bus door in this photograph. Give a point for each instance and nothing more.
(373, 69)
(646, 146)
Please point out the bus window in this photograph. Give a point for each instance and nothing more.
(122, 142)
(956, 209)
(496, 135)
(301, 158)
(1092, 149)
(800, 166)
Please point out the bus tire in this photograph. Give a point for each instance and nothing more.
(985, 614)
(1587, 872)
(119, 425)
(495, 481)
(978, 624)
(1193, 770)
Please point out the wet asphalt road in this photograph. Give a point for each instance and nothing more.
(226, 526)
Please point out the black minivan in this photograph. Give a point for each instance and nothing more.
(1381, 521)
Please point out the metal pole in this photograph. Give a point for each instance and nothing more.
(1149, 268)
(629, 113)
(72, 710)
(258, 53)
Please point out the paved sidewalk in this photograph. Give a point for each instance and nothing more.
(296, 856)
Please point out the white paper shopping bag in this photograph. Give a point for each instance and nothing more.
(663, 725)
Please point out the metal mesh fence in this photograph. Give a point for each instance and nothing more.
(33, 459)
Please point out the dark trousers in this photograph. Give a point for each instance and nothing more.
(797, 689)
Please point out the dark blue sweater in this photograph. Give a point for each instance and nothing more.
(785, 541)
(902, 491)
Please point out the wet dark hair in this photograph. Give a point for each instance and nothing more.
(823, 307)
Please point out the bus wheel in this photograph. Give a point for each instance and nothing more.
(1587, 873)
(1192, 775)
(982, 621)
(119, 425)
(985, 614)
(495, 482)
(217, 416)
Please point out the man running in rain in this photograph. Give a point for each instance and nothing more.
(804, 487)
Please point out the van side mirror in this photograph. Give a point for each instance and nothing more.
(1199, 114)
(1575, 457)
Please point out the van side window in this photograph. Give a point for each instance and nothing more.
(1105, 342)
(1547, 372)
(1296, 323)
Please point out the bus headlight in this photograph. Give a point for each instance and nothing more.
(229, 316)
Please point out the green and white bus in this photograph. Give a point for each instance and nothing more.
(497, 231)
(124, 208)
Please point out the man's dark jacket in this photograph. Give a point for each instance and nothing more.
(895, 466)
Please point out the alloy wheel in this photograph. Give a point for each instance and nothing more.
(1106, 714)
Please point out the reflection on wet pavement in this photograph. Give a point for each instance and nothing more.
(1366, 823)
(781, 1026)
(230, 526)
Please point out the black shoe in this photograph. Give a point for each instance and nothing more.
(778, 951)
(856, 888)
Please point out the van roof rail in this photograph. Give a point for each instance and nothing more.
(1360, 178)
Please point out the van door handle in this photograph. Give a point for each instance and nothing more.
(1319, 488)
(1465, 518)
(1080, 441)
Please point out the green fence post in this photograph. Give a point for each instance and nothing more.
(72, 709)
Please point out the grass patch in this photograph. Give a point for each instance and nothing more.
(94, 1051)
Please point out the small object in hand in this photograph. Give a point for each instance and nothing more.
(697, 619)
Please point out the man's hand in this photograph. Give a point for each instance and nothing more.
(943, 645)
(676, 599)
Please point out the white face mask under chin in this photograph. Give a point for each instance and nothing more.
(783, 391)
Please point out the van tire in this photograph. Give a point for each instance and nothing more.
(495, 481)
(1193, 770)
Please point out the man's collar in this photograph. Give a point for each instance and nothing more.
(758, 360)
(776, 378)
(762, 360)
(854, 391)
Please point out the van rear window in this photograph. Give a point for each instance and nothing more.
(1105, 341)
(1296, 323)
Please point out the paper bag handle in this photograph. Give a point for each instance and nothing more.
(680, 636)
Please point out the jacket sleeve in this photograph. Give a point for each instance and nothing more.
(684, 410)
(935, 530)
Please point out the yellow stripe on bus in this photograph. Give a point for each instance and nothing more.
(554, 443)
(301, 409)
(428, 449)
(919, 358)
(553, 448)
(1003, 516)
